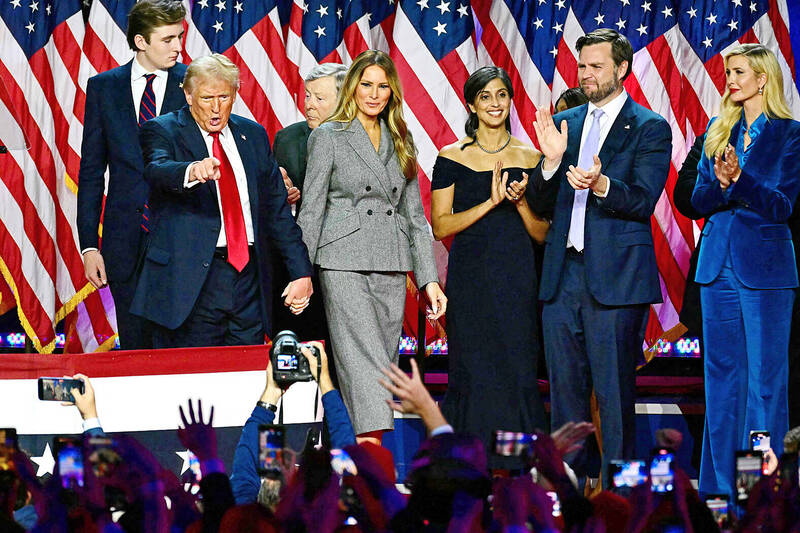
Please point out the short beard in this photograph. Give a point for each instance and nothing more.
(603, 91)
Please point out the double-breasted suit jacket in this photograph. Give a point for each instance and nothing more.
(359, 211)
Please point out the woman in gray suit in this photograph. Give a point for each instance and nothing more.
(363, 224)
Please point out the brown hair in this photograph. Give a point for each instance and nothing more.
(147, 15)
(621, 49)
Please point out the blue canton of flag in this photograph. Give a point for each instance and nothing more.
(223, 22)
(32, 22)
(322, 27)
(641, 21)
(541, 25)
(443, 26)
(712, 26)
(378, 11)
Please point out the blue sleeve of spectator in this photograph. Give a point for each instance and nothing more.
(339, 425)
(245, 480)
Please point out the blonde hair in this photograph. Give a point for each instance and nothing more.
(346, 109)
(762, 61)
(215, 66)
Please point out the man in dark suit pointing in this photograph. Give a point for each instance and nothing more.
(218, 202)
(118, 101)
(606, 168)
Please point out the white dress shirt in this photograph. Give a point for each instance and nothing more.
(229, 146)
(139, 82)
(611, 111)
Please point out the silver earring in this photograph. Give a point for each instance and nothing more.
(760, 90)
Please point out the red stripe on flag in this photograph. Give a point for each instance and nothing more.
(667, 266)
(253, 94)
(661, 55)
(716, 71)
(456, 73)
(96, 52)
(694, 110)
(781, 32)
(566, 64)
(354, 41)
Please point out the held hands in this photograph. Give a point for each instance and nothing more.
(292, 192)
(438, 300)
(94, 267)
(552, 141)
(592, 179)
(297, 295)
(205, 170)
(727, 170)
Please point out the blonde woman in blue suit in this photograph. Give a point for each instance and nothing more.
(363, 224)
(749, 177)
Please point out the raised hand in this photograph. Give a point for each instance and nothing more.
(196, 435)
(552, 141)
(516, 189)
(498, 191)
(727, 170)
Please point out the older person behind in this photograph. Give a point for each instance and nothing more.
(219, 204)
(748, 180)
(322, 89)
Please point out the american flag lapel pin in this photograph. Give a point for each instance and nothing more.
(627, 127)
(243, 137)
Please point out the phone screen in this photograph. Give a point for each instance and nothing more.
(8, 443)
(749, 464)
(102, 456)
(512, 443)
(342, 464)
(759, 440)
(59, 389)
(628, 473)
(271, 441)
(70, 462)
(718, 505)
(662, 476)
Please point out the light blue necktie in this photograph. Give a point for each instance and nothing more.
(585, 162)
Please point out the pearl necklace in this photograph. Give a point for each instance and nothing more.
(508, 140)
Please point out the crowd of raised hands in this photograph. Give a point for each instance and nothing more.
(354, 487)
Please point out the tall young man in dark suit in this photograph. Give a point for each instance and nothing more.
(606, 168)
(118, 101)
(322, 89)
(219, 204)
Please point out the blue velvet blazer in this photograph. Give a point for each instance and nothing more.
(751, 225)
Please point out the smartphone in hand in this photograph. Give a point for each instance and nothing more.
(69, 461)
(271, 442)
(59, 389)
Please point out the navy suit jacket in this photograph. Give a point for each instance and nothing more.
(751, 225)
(110, 129)
(186, 222)
(618, 246)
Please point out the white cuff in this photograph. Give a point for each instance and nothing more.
(547, 174)
(91, 423)
(186, 183)
(441, 430)
(89, 249)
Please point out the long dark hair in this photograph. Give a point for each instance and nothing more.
(474, 85)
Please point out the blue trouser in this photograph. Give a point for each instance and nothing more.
(746, 340)
(590, 344)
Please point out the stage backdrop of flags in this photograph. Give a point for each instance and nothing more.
(48, 51)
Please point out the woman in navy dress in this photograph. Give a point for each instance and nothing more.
(480, 198)
(749, 178)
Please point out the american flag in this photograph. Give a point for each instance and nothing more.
(47, 54)
(677, 71)
(40, 57)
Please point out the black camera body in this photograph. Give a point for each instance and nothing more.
(289, 365)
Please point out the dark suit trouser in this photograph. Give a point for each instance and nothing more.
(589, 344)
(227, 312)
(135, 333)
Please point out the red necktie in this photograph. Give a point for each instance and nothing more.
(235, 233)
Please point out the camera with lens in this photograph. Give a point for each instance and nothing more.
(289, 365)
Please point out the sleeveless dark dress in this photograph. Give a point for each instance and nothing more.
(492, 312)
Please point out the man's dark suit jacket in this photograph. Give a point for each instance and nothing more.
(291, 152)
(186, 221)
(619, 257)
(110, 130)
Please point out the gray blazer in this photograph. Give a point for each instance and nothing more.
(359, 211)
